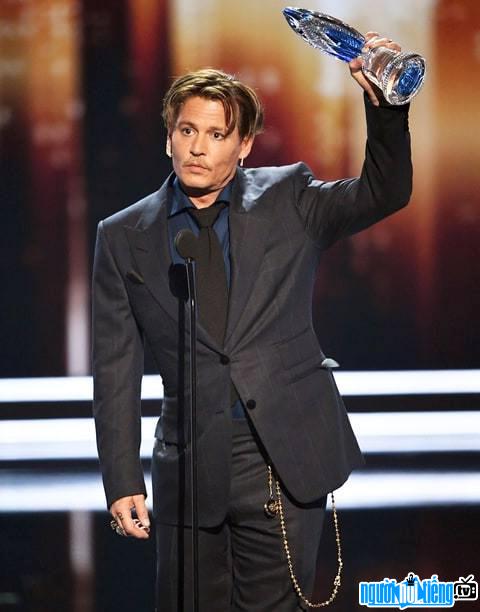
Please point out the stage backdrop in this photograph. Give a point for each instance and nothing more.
(81, 84)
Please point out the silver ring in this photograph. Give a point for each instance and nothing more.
(117, 528)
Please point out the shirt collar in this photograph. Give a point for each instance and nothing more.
(181, 201)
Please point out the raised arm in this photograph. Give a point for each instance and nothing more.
(333, 210)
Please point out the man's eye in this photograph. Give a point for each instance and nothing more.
(218, 135)
(187, 131)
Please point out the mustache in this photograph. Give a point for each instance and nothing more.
(194, 162)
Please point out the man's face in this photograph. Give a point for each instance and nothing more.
(204, 157)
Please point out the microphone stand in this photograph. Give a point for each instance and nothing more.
(185, 243)
(193, 423)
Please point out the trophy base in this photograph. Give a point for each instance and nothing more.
(399, 75)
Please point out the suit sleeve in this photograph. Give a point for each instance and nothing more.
(334, 210)
(118, 358)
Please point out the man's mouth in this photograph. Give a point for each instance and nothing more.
(195, 165)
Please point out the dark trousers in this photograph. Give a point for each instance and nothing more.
(242, 562)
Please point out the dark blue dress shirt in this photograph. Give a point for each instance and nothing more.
(178, 219)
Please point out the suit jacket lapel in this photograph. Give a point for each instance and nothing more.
(149, 241)
(150, 249)
(248, 234)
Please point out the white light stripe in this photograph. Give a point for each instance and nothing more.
(394, 490)
(404, 382)
(402, 432)
(409, 382)
(364, 490)
(64, 389)
(399, 432)
(61, 389)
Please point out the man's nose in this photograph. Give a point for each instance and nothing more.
(198, 145)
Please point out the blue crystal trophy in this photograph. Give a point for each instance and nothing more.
(399, 75)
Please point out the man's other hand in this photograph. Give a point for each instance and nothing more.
(122, 511)
(373, 39)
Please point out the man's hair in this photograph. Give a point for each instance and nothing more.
(242, 106)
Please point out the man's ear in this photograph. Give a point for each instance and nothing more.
(246, 147)
(168, 147)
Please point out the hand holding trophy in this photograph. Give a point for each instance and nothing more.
(399, 75)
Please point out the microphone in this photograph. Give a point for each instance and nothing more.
(186, 244)
(178, 282)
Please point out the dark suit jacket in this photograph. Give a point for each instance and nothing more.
(281, 220)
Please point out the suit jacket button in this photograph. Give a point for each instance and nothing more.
(251, 404)
(224, 360)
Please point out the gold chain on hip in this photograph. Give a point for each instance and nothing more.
(275, 506)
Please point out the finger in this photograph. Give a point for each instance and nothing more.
(366, 85)
(370, 35)
(132, 523)
(142, 512)
(133, 527)
(382, 42)
(395, 46)
(355, 65)
(371, 94)
(118, 512)
(122, 512)
(376, 41)
(117, 527)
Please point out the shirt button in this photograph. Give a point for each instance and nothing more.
(224, 360)
(251, 404)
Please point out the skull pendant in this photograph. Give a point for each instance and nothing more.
(271, 508)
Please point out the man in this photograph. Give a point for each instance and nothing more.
(270, 421)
